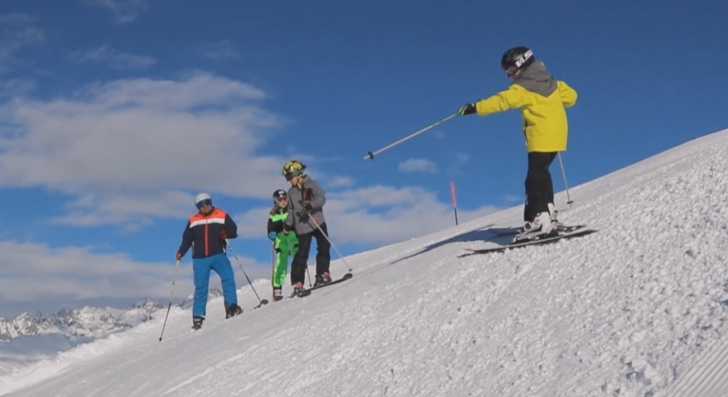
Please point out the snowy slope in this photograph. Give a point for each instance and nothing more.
(29, 339)
(637, 309)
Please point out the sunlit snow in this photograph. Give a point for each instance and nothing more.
(637, 309)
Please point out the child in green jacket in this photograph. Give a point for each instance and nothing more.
(284, 244)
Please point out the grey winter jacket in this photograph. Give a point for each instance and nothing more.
(309, 191)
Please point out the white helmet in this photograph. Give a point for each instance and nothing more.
(202, 197)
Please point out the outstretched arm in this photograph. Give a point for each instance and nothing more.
(512, 98)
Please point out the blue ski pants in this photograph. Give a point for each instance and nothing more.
(201, 268)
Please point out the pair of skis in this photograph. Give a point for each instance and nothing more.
(563, 233)
(307, 292)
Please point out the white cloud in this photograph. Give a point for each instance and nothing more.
(93, 210)
(252, 223)
(128, 142)
(37, 273)
(403, 213)
(374, 215)
(418, 165)
(113, 58)
(124, 10)
(128, 152)
(220, 51)
(462, 158)
(340, 181)
(16, 31)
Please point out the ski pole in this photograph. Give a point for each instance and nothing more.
(171, 295)
(563, 174)
(370, 155)
(272, 263)
(310, 218)
(262, 301)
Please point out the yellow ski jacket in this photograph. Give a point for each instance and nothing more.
(542, 101)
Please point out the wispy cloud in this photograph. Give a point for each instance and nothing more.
(220, 51)
(16, 31)
(113, 58)
(418, 165)
(129, 152)
(462, 158)
(126, 142)
(94, 210)
(34, 272)
(459, 159)
(124, 10)
(14, 88)
(340, 181)
(378, 215)
(375, 215)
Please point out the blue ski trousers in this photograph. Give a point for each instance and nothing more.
(202, 267)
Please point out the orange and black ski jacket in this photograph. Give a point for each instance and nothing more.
(203, 232)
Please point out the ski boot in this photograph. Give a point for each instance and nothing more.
(277, 294)
(538, 228)
(557, 226)
(233, 310)
(197, 322)
(322, 279)
(298, 290)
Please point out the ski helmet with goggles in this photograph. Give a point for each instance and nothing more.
(202, 200)
(278, 194)
(293, 168)
(515, 59)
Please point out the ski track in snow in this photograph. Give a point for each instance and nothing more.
(637, 309)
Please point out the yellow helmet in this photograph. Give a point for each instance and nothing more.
(293, 168)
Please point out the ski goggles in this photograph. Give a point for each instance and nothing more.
(282, 198)
(203, 203)
(291, 176)
(511, 71)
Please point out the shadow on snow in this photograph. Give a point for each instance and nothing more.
(485, 234)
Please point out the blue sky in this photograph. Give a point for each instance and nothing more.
(115, 113)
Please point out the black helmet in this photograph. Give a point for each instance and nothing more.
(515, 59)
(278, 194)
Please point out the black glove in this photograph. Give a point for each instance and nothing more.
(467, 109)
(306, 207)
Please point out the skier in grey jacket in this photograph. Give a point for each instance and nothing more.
(306, 200)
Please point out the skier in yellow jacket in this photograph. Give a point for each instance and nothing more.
(542, 100)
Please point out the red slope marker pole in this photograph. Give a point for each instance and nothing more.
(454, 201)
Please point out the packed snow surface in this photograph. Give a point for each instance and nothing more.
(636, 309)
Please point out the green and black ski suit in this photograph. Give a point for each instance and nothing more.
(285, 245)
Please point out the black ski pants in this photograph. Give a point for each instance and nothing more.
(539, 186)
(323, 256)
